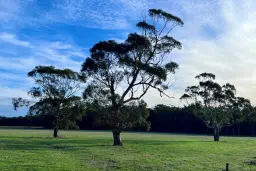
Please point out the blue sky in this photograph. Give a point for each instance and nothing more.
(218, 36)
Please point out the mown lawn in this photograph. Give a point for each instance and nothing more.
(35, 150)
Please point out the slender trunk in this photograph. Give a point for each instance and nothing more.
(55, 132)
(117, 138)
(216, 134)
(56, 107)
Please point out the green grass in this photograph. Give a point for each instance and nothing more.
(35, 150)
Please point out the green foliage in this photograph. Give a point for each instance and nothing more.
(216, 105)
(19, 102)
(133, 114)
(52, 72)
(158, 13)
(145, 26)
(55, 95)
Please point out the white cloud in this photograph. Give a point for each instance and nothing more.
(18, 63)
(8, 93)
(59, 45)
(12, 39)
(229, 53)
(13, 70)
(232, 55)
(100, 14)
(42, 52)
(112, 14)
(9, 9)
(6, 107)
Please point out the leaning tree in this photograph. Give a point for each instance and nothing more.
(124, 72)
(55, 96)
(217, 106)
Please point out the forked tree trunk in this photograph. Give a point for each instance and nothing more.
(117, 138)
(216, 134)
(55, 132)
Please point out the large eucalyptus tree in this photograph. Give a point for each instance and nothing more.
(124, 72)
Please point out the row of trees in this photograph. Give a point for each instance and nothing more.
(115, 77)
(162, 118)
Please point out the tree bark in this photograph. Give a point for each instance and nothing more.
(216, 134)
(117, 138)
(55, 132)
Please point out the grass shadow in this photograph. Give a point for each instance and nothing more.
(251, 162)
(62, 143)
(166, 142)
(48, 144)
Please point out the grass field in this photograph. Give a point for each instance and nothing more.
(35, 150)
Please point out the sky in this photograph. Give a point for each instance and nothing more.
(218, 36)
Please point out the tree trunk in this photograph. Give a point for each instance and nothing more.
(55, 132)
(117, 138)
(216, 134)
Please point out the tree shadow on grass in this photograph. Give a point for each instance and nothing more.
(166, 142)
(49, 144)
(251, 162)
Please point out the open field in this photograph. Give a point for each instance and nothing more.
(35, 150)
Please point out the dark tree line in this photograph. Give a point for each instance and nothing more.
(163, 118)
(182, 120)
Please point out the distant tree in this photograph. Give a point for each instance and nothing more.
(217, 106)
(164, 118)
(124, 72)
(55, 96)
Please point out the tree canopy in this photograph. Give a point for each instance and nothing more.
(217, 106)
(124, 72)
(55, 96)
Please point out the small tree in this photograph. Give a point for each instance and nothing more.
(135, 66)
(217, 106)
(55, 96)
